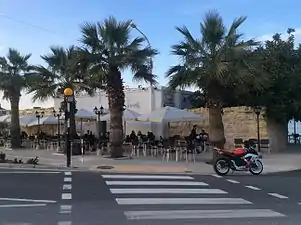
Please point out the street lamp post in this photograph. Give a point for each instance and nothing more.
(257, 111)
(39, 115)
(58, 116)
(68, 98)
(151, 63)
(134, 26)
(295, 132)
(98, 112)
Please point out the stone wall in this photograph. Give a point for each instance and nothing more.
(28, 112)
(239, 122)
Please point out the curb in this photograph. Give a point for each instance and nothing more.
(112, 169)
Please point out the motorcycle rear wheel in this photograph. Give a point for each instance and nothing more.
(259, 167)
(219, 163)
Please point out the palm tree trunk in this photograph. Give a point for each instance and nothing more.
(15, 131)
(216, 126)
(216, 130)
(116, 103)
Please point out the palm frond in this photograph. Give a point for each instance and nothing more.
(109, 44)
(219, 57)
(13, 73)
(213, 29)
(182, 76)
(143, 74)
(90, 36)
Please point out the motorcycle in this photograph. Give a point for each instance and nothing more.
(240, 159)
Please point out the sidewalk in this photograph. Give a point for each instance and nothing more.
(280, 162)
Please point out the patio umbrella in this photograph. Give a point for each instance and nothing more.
(166, 115)
(47, 120)
(82, 114)
(25, 120)
(128, 114)
(5, 119)
(85, 114)
(169, 114)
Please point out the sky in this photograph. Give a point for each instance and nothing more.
(32, 26)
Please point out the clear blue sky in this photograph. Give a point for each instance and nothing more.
(57, 21)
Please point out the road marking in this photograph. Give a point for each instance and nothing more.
(202, 214)
(67, 179)
(64, 223)
(278, 195)
(233, 181)
(253, 188)
(22, 205)
(299, 203)
(66, 196)
(67, 187)
(58, 154)
(165, 191)
(65, 208)
(171, 183)
(29, 172)
(61, 170)
(17, 223)
(148, 177)
(26, 200)
(217, 176)
(180, 201)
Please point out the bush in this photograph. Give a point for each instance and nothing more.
(33, 161)
(16, 161)
(2, 156)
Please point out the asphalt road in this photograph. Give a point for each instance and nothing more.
(89, 198)
(29, 196)
(38, 197)
(208, 200)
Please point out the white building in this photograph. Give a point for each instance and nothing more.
(142, 99)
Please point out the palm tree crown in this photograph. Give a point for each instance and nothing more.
(109, 44)
(219, 60)
(14, 70)
(63, 70)
(14, 74)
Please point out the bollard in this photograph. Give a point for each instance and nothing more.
(82, 150)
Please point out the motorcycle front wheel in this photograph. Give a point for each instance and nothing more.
(221, 166)
(256, 167)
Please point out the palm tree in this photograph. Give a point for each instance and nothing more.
(110, 50)
(219, 59)
(63, 71)
(14, 71)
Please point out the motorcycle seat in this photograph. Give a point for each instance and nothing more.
(239, 151)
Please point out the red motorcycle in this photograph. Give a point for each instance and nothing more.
(240, 159)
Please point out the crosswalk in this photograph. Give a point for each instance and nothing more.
(167, 197)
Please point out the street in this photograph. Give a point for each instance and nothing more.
(41, 197)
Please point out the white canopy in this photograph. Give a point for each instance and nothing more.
(128, 114)
(47, 120)
(5, 119)
(24, 120)
(169, 114)
(85, 114)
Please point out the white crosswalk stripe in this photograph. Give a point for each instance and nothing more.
(167, 197)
